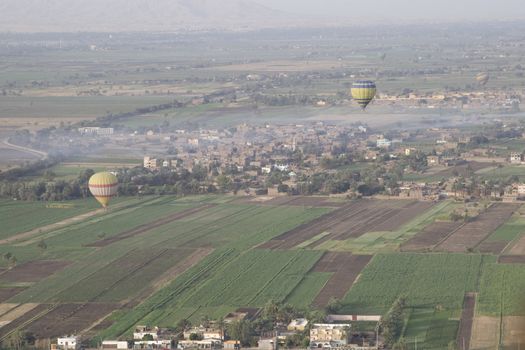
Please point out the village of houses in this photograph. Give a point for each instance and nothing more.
(251, 155)
(337, 334)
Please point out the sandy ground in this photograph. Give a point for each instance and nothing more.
(485, 333)
(514, 332)
(6, 307)
(16, 313)
(518, 248)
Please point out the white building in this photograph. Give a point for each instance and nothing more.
(515, 158)
(299, 324)
(205, 333)
(151, 163)
(114, 344)
(521, 190)
(383, 143)
(153, 344)
(68, 343)
(199, 344)
(282, 167)
(329, 335)
(141, 331)
(95, 130)
(266, 170)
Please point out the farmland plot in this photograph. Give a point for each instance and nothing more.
(351, 221)
(511, 259)
(427, 280)
(117, 281)
(305, 292)
(501, 290)
(165, 301)
(115, 223)
(33, 271)
(68, 319)
(309, 201)
(149, 226)
(255, 278)
(7, 292)
(345, 267)
(431, 235)
(13, 214)
(473, 233)
(20, 316)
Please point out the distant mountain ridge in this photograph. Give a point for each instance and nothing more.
(135, 15)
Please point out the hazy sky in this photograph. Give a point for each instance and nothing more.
(402, 10)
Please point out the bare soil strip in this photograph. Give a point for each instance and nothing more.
(69, 318)
(345, 267)
(511, 259)
(431, 235)
(473, 233)
(33, 271)
(495, 247)
(467, 319)
(150, 226)
(7, 293)
(305, 201)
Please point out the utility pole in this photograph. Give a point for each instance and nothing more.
(377, 336)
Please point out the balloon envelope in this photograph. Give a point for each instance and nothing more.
(482, 78)
(103, 186)
(363, 91)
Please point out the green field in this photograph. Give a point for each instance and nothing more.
(236, 273)
(223, 225)
(501, 290)
(426, 280)
(14, 214)
(428, 328)
(305, 292)
(509, 230)
(69, 108)
(506, 172)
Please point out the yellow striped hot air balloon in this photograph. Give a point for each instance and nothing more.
(363, 91)
(103, 186)
(483, 78)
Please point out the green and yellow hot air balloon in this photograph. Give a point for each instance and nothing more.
(103, 186)
(363, 91)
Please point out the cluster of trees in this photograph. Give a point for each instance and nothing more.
(392, 324)
(29, 169)
(284, 100)
(47, 189)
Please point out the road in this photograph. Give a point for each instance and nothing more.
(39, 154)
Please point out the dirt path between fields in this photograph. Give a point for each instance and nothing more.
(467, 319)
